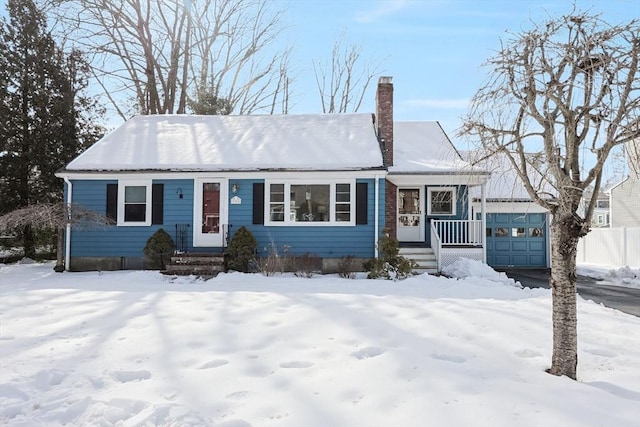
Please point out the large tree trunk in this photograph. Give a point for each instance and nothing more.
(29, 242)
(564, 238)
(59, 268)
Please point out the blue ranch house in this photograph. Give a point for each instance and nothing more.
(325, 184)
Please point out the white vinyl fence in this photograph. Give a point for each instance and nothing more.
(616, 247)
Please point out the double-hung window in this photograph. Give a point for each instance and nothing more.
(310, 203)
(442, 201)
(134, 202)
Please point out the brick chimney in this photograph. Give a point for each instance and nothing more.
(384, 125)
(384, 118)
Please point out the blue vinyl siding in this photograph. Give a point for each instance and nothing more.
(114, 241)
(326, 242)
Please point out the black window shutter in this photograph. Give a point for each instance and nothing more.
(258, 203)
(362, 202)
(112, 202)
(157, 204)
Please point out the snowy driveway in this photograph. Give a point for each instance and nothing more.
(622, 298)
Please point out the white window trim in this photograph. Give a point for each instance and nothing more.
(332, 203)
(454, 203)
(134, 183)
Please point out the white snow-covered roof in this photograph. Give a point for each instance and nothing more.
(251, 142)
(505, 183)
(423, 147)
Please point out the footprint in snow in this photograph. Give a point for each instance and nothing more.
(600, 352)
(449, 357)
(368, 352)
(128, 376)
(213, 364)
(238, 395)
(528, 353)
(297, 364)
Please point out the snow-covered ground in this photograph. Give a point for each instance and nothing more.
(609, 275)
(134, 348)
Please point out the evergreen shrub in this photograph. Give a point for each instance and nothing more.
(242, 250)
(390, 264)
(158, 250)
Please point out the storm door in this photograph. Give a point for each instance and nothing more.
(210, 212)
(410, 217)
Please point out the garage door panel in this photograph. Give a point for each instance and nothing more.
(502, 218)
(502, 259)
(502, 245)
(536, 218)
(519, 246)
(519, 259)
(537, 245)
(537, 260)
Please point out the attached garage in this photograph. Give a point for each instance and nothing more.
(517, 239)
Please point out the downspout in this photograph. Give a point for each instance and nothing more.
(376, 215)
(483, 233)
(67, 243)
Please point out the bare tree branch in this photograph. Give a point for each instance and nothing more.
(159, 52)
(342, 84)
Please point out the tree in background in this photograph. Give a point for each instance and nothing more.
(45, 120)
(343, 81)
(207, 103)
(158, 53)
(569, 91)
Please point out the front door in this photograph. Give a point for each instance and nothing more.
(410, 219)
(210, 212)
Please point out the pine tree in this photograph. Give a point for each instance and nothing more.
(45, 120)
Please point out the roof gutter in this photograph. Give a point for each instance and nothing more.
(376, 215)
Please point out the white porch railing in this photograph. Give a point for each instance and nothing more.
(453, 239)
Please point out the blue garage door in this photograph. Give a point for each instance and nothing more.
(516, 240)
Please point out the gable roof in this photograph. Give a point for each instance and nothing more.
(424, 147)
(251, 142)
(505, 184)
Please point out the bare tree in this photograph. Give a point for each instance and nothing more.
(156, 53)
(342, 83)
(568, 89)
(53, 217)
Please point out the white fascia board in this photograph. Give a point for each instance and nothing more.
(361, 174)
(439, 179)
(510, 207)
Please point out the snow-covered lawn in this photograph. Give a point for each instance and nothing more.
(139, 349)
(609, 275)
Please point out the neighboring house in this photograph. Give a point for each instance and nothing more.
(517, 228)
(320, 184)
(601, 214)
(625, 196)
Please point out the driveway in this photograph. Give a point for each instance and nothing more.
(624, 299)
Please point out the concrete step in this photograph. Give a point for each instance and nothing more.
(425, 258)
(196, 264)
